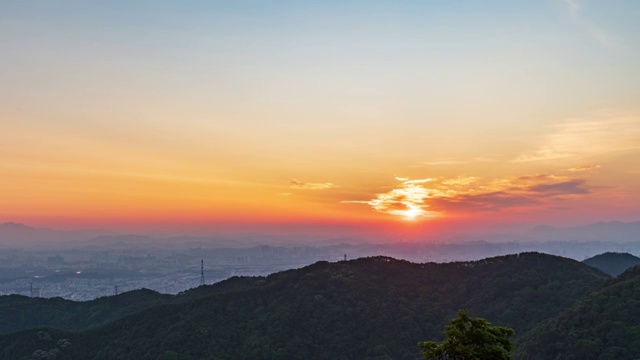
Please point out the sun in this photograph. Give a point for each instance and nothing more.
(412, 213)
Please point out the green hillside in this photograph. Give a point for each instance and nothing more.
(604, 326)
(374, 308)
(20, 312)
(613, 263)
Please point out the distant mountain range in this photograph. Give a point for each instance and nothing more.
(24, 236)
(373, 308)
(19, 235)
(615, 231)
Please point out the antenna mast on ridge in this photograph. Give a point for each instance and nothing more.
(201, 272)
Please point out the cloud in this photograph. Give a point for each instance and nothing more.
(484, 159)
(574, 5)
(496, 194)
(567, 187)
(604, 38)
(583, 168)
(406, 201)
(431, 197)
(541, 155)
(537, 177)
(443, 162)
(608, 135)
(483, 202)
(419, 181)
(297, 184)
(460, 180)
(452, 162)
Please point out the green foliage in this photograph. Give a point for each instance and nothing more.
(603, 326)
(613, 263)
(21, 312)
(373, 308)
(470, 338)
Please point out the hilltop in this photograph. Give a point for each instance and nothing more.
(374, 307)
(613, 263)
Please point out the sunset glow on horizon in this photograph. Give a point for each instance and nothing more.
(368, 115)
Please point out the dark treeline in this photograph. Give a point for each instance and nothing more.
(374, 308)
(613, 263)
(605, 325)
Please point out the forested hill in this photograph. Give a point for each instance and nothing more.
(21, 312)
(613, 263)
(604, 326)
(377, 308)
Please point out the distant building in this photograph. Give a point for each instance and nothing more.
(55, 260)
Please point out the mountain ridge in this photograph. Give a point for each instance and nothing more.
(376, 307)
(613, 263)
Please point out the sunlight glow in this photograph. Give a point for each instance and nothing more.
(407, 201)
(412, 212)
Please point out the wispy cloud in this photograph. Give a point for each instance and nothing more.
(583, 168)
(446, 162)
(541, 155)
(411, 182)
(587, 137)
(460, 181)
(484, 159)
(430, 197)
(406, 200)
(489, 201)
(566, 187)
(603, 37)
(297, 184)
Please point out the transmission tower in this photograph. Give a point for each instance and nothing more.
(202, 272)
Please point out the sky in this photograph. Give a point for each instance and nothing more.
(403, 117)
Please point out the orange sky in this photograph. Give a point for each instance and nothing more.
(403, 117)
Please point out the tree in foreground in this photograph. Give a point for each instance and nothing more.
(470, 338)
